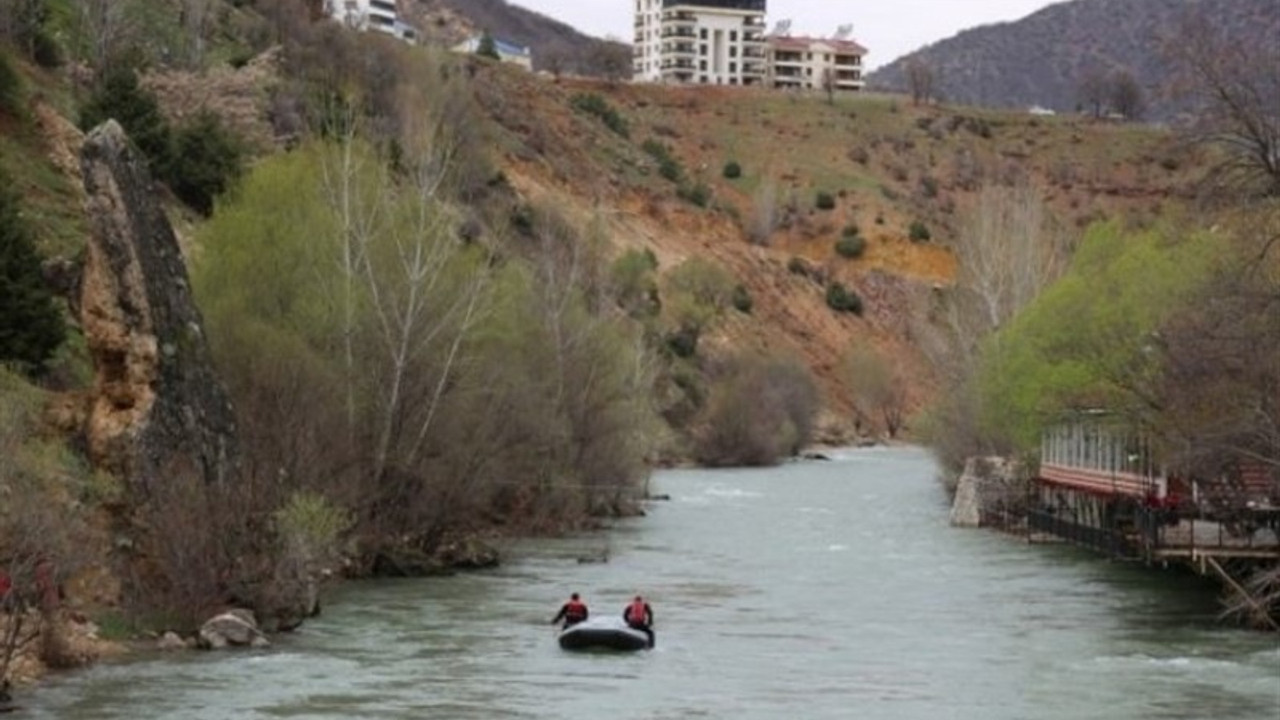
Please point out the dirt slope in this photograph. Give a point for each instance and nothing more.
(885, 163)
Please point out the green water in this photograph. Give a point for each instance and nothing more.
(815, 590)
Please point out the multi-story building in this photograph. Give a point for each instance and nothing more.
(379, 15)
(508, 52)
(709, 42)
(815, 63)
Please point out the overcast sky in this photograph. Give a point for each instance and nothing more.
(888, 28)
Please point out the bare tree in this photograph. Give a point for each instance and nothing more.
(878, 388)
(829, 85)
(764, 212)
(1091, 91)
(610, 60)
(1236, 90)
(920, 80)
(1125, 95)
(195, 17)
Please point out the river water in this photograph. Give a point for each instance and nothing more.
(815, 590)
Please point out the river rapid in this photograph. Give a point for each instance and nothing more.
(815, 590)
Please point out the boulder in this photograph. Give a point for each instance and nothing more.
(234, 628)
(171, 641)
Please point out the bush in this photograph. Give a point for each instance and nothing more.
(850, 230)
(919, 232)
(598, 107)
(668, 166)
(825, 201)
(742, 301)
(762, 411)
(683, 343)
(121, 98)
(842, 299)
(10, 88)
(31, 327)
(798, 266)
(851, 246)
(732, 170)
(207, 159)
(929, 186)
(697, 193)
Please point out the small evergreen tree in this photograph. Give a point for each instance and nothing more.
(207, 159)
(31, 329)
(122, 98)
(488, 47)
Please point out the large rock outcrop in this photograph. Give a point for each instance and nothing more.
(157, 407)
(990, 487)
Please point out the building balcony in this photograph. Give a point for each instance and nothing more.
(680, 49)
(788, 57)
(678, 19)
(753, 69)
(783, 72)
(677, 65)
(753, 52)
(679, 32)
(745, 5)
(848, 61)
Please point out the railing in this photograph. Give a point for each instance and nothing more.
(749, 5)
(1111, 541)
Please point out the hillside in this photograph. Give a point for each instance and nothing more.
(1043, 58)
(553, 42)
(886, 167)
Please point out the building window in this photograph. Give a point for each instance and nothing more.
(733, 52)
(733, 36)
(702, 33)
(702, 50)
(733, 67)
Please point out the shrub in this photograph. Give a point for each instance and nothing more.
(31, 328)
(697, 193)
(598, 107)
(742, 301)
(207, 159)
(860, 155)
(850, 230)
(10, 87)
(929, 186)
(798, 266)
(732, 170)
(668, 166)
(683, 343)
(761, 411)
(121, 98)
(919, 232)
(825, 201)
(488, 48)
(851, 246)
(842, 299)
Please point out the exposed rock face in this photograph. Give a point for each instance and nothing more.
(157, 407)
(987, 485)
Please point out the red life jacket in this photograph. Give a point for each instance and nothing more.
(575, 610)
(636, 613)
(5, 584)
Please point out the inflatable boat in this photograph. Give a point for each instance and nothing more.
(603, 633)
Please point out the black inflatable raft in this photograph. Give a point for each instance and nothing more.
(605, 633)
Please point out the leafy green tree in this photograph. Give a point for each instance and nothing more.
(488, 47)
(31, 327)
(1091, 339)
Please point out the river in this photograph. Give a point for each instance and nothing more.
(815, 590)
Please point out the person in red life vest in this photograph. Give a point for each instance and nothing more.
(572, 612)
(7, 600)
(639, 616)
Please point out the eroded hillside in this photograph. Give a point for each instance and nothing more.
(880, 165)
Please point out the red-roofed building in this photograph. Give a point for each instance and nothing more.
(807, 63)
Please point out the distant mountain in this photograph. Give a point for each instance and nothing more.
(1044, 58)
(551, 40)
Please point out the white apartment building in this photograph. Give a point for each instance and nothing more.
(815, 63)
(708, 42)
(378, 15)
